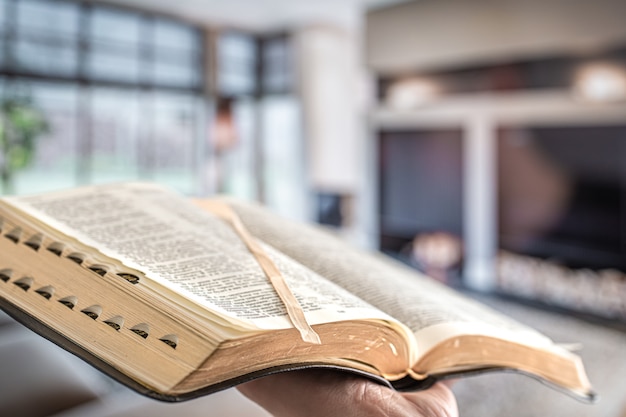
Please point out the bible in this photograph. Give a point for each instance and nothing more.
(178, 298)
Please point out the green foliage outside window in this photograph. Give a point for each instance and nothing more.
(21, 124)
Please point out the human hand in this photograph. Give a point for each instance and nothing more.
(325, 393)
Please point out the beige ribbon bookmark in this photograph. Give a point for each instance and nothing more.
(294, 309)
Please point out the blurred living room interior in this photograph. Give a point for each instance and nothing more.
(482, 142)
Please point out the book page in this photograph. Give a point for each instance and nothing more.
(424, 305)
(187, 250)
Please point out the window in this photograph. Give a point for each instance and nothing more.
(283, 151)
(122, 92)
(173, 159)
(237, 166)
(3, 30)
(177, 54)
(114, 53)
(263, 158)
(237, 57)
(56, 157)
(100, 44)
(47, 36)
(277, 66)
(115, 125)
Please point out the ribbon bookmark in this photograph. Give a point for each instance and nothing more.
(294, 309)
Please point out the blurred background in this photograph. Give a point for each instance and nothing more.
(480, 141)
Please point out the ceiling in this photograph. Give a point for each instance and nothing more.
(261, 15)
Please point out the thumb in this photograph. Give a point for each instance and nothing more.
(436, 401)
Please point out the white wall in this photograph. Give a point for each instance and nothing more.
(329, 71)
(441, 33)
(335, 90)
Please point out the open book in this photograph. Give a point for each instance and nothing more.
(173, 300)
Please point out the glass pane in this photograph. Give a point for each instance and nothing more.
(55, 155)
(3, 29)
(237, 162)
(237, 46)
(3, 5)
(180, 70)
(277, 65)
(114, 53)
(236, 57)
(44, 57)
(170, 34)
(174, 140)
(2, 47)
(114, 127)
(283, 152)
(104, 65)
(58, 18)
(122, 27)
(232, 81)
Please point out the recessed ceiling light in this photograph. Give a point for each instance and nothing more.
(601, 83)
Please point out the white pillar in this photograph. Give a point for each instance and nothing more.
(480, 215)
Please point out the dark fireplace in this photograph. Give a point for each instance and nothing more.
(561, 210)
(562, 216)
(562, 194)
